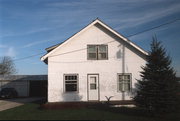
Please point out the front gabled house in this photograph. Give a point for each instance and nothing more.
(95, 63)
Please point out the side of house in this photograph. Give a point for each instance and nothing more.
(92, 65)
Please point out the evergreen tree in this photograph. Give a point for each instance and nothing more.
(157, 90)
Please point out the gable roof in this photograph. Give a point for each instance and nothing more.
(52, 49)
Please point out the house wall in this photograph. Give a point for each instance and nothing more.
(77, 63)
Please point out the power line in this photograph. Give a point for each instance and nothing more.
(88, 61)
(155, 27)
(127, 36)
(28, 57)
(78, 50)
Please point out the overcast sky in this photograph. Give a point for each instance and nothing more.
(27, 27)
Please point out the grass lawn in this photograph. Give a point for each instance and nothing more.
(31, 111)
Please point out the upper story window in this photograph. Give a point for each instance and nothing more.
(97, 52)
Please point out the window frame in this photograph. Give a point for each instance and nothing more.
(90, 83)
(97, 52)
(118, 82)
(101, 52)
(88, 53)
(64, 85)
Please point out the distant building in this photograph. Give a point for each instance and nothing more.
(25, 85)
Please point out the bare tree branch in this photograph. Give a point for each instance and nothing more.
(7, 66)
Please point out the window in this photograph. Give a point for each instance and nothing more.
(93, 83)
(124, 82)
(92, 52)
(71, 82)
(97, 52)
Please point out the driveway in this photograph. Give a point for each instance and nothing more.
(11, 103)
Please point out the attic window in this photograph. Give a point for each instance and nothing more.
(97, 52)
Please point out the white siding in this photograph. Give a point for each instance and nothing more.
(76, 62)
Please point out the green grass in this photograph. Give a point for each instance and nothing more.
(31, 111)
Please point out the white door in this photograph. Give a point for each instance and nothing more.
(93, 87)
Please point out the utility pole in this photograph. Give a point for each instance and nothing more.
(123, 69)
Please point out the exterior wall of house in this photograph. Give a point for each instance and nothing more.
(76, 63)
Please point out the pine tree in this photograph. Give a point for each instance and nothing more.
(157, 90)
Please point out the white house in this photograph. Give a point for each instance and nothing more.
(94, 63)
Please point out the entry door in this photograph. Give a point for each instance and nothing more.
(93, 87)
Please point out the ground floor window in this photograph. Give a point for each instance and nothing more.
(124, 82)
(71, 82)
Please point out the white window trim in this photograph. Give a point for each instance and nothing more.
(118, 89)
(64, 82)
(97, 52)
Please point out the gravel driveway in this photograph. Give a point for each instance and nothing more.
(11, 103)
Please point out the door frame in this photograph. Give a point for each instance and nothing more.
(88, 86)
